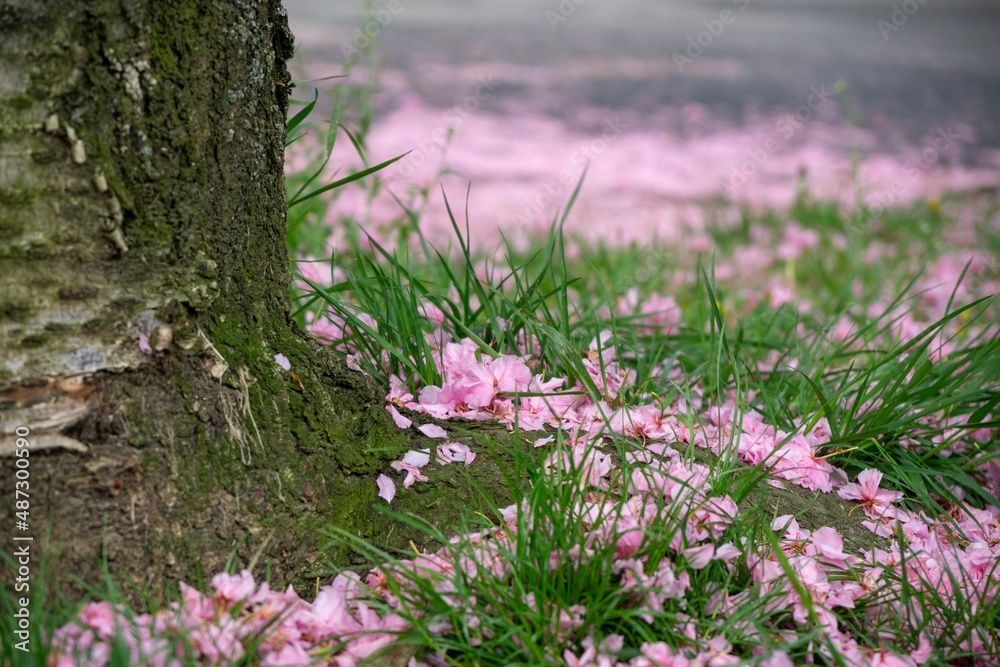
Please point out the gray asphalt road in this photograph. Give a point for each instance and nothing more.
(911, 66)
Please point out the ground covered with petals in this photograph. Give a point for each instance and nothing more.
(845, 357)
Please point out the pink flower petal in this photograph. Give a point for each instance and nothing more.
(454, 452)
(386, 488)
(401, 421)
(700, 556)
(352, 363)
(282, 361)
(417, 459)
(433, 431)
(144, 345)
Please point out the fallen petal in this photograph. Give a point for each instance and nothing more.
(417, 459)
(401, 421)
(386, 488)
(144, 346)
(433, 431)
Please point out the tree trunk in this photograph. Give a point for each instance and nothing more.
(141, 192)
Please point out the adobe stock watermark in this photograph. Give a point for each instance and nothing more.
(363, 35)
(713, 29)
(584, 154)
(453, 118)
(944, 138)
(784, 129)
(901, 13)
(22, 539)
(566, 9)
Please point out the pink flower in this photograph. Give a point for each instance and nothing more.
(777, 659)
(503, 375)
(398, 392)
(660, 655)
(411, 463)
(292, 653)
(457, 359)
(718, 653)
(233, 588)
(352, 363)
(144, 345)
(727, 553)
(628, 543)
(195, 604)
(218, 645)
(828, 547)
(797, 461)
(874, 500)
(101, 618)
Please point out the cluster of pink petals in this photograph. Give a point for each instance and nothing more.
(789, 456)
(662, 487)
(875, 501)
(811, 576)
(506, 389)
(340, 628)
(957, 559)
(938, 557)
(654, 312)
(665, 491)
(239, 619)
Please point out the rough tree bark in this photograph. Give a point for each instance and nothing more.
(141, 192)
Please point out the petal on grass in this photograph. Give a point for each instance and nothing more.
(700, 556)
(282, 361)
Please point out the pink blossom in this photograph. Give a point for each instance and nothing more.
(874, 500)
(798, 462)
(827, 545)
(100, 617)
(660, 655)
(777, 659)
(398, 392)
(233, 588)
